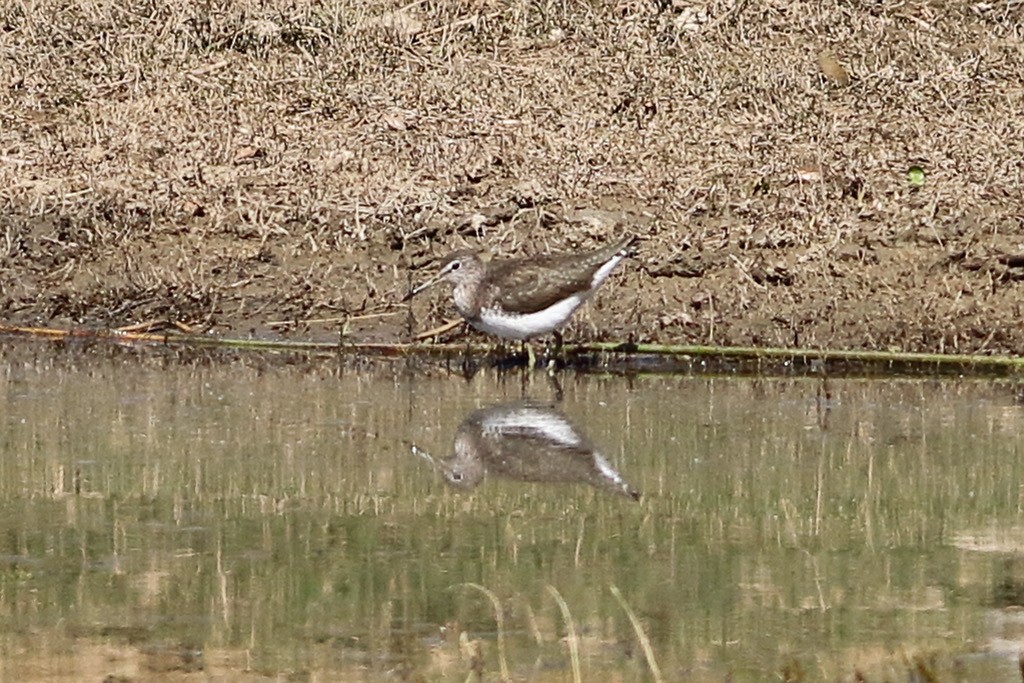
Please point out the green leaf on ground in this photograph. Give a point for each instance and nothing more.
(915, 176)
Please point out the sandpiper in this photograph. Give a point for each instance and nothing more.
(526, 297)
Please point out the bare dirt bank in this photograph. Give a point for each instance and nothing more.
(235, 166)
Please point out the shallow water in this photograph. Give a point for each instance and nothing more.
(242, 517)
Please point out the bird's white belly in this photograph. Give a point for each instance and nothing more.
(525, 326)
(533, 421)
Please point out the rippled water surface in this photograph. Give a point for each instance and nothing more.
(250, 517)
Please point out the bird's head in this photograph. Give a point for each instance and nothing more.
(454, 268)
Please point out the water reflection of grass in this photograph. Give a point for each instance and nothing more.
(300, 536)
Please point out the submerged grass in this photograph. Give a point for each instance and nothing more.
(572, 640)
(499, 619)
(641, 635)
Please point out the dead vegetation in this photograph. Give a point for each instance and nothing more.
(232, 163)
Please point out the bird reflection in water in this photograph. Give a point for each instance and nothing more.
(525, 441)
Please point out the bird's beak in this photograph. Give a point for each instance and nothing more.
(416, 450)
(416, 290)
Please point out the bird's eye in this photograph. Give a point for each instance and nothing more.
(456, 265)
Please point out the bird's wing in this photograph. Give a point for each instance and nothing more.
(530, 285)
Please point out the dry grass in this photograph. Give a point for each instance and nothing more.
(234, 163)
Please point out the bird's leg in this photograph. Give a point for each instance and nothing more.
(531, 359)
(556, 386)
(470, 364)
(525, 350)
(559, 349)
(500, 351)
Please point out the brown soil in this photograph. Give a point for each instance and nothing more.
(234, 165)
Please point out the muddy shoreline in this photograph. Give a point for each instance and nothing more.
(889, 298)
